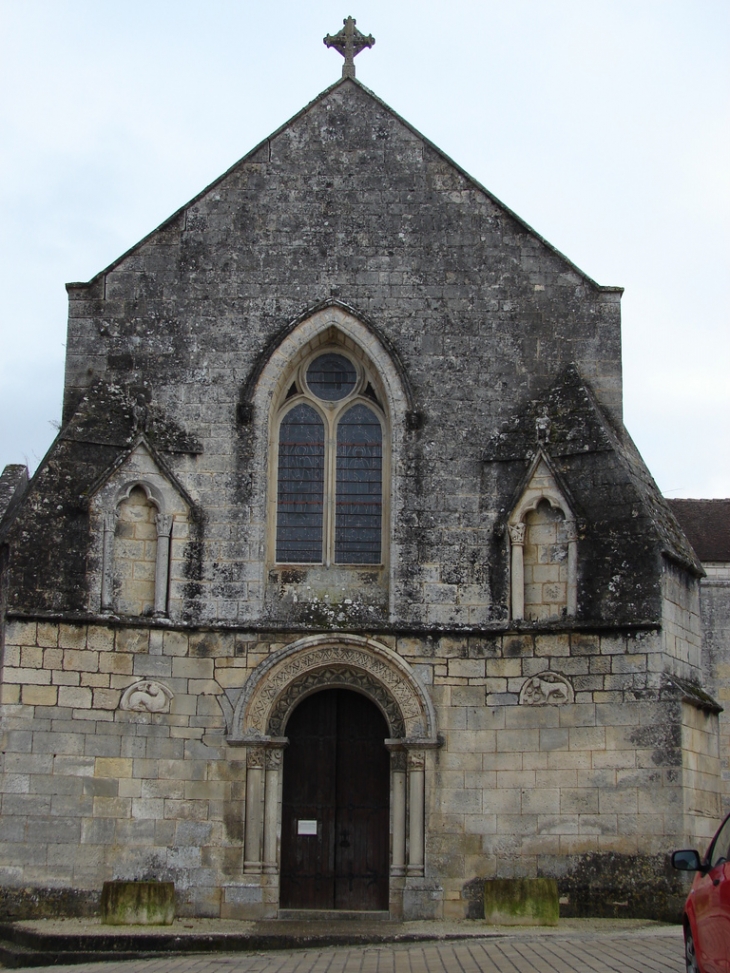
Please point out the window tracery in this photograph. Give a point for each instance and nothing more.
(329, 463)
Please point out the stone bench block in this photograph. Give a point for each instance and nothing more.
(138, 903)
(521, 901)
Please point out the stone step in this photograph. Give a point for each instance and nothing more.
(330, 915)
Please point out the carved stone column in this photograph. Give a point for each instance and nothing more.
(571, 533)
(162, 565)
(254, 823)
(274, 757)
(399, 775)
(416, 810)
(107, 563)
(517, 543)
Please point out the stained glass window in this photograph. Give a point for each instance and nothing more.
(359, 498)
(331, 377)
(300, 487)
(330, 473)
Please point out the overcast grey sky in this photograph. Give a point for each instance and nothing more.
(605, 124)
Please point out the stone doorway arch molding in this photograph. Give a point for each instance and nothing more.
(333, 662)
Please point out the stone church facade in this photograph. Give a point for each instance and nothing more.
(343, 585)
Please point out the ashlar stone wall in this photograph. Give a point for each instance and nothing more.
(715, 601)
(681, 620)
(702, 760)
(559, 751)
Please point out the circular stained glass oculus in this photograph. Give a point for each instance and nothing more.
(331, 377)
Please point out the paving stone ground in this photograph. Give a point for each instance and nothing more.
(654, 949)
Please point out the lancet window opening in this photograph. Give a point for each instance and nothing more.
(330, 451)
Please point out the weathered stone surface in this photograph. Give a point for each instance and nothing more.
(562, 745)
(521, 902)
(138, 903)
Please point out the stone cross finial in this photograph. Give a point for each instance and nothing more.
(349, 42)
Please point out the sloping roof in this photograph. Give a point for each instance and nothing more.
(707, 525)
(13, 483)
(578, 426)
(289, 124)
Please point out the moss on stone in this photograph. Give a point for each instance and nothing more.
(138, 903)
(521, 901)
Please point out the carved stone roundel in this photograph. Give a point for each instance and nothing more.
(546, 688)
(146, 696)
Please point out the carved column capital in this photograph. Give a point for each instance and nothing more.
(255, 758)
(164, 525)
(274, 758)
(416, 759)
(398, 760)
(516, 534)
(570, 528)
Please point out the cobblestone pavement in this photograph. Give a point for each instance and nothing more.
(653, 950)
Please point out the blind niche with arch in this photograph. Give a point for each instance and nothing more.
(329, 466)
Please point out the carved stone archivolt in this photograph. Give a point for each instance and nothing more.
(341, 677)
(316, 662)
(546, 688)
(259, 723)
(146, 696)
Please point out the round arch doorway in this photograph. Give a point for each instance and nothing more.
(335, 808)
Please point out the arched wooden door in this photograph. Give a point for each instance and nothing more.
(335, 816)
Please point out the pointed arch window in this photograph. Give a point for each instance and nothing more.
(301, 486)
(329, 482)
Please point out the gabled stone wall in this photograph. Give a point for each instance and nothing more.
(571, 740)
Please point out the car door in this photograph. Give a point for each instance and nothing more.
(712, 906)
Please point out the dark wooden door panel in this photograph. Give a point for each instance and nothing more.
(363, 789)
(308, 861)
(336, 772)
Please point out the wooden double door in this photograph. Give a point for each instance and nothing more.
(335, 815)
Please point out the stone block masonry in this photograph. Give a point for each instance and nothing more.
(482, 554)
(554, 747)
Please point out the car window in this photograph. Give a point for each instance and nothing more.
(720, 850)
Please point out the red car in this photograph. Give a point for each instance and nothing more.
(707, 909)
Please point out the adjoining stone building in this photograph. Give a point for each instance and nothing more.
(706, 524)
(343, 584)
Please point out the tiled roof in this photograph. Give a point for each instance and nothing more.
(707, 526)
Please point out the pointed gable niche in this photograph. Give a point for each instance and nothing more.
(140, 523)
(544, 549)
